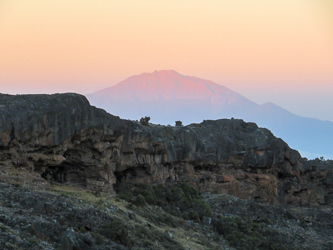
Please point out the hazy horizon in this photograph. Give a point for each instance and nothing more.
(276, 51)
(168, 96)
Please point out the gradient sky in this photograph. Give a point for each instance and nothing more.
(278, 50)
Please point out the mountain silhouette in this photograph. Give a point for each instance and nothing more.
(167, 96)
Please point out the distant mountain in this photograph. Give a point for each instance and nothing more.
(167, 96)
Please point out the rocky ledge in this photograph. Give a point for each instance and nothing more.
(61, 138)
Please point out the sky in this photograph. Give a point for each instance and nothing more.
(278, 51)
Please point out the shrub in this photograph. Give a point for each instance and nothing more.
(193, 215)
(99, 239)
(116, 231)
(140, 201)
(145, 120)
(181, 200)
(179, 123)
(246, 234)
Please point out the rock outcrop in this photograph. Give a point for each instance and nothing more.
(61, 138)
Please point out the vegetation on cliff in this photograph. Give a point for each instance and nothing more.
(180, 200)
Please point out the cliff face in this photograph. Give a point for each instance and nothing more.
(61, 138)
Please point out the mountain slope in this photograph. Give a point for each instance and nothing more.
(167, 96)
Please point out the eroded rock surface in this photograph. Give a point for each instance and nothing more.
(61, 138)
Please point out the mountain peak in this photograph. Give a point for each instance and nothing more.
(166, 71)
(167, 95)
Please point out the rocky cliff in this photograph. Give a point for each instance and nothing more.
(61, 138)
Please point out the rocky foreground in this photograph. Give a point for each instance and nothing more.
(75, 177)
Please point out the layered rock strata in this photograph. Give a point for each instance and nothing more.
(61, 138)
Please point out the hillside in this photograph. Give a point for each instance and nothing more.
(75, 177)
(60, 217)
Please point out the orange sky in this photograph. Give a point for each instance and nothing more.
(277, 50)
